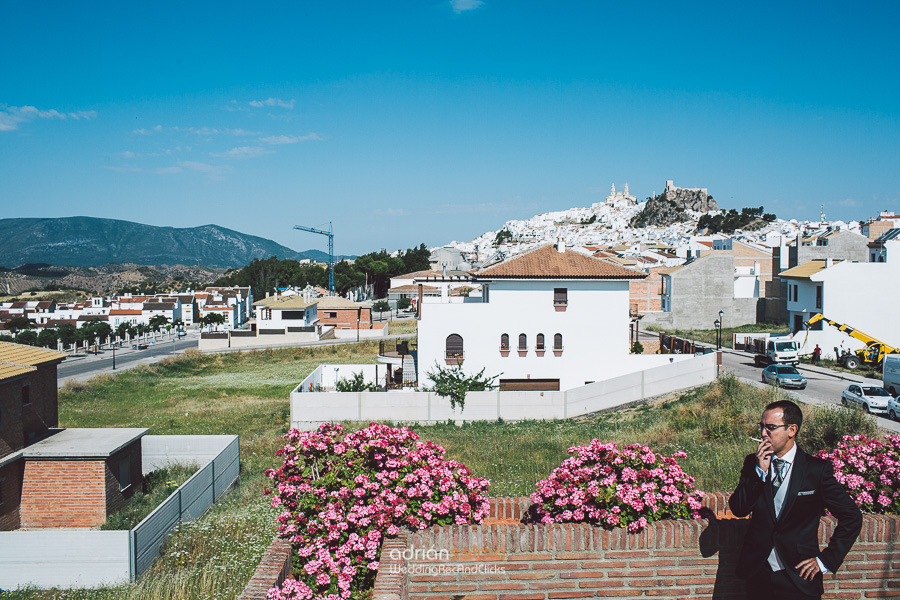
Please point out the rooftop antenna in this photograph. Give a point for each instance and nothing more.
(330, 235)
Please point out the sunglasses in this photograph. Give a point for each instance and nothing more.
(770, 428)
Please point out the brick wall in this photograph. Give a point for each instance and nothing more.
(11, 436)
(645, 295)
(274, 568)
(504, 559)
(42, 413)
(115, 498)
(64, 493)
(10, 494)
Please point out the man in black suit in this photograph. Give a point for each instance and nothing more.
(786, 489)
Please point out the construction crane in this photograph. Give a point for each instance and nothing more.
(872, 354)
(330, 235)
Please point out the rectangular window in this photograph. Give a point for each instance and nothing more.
(124, 473)
(560, 296)
(26, 394)
(795, 292)
(818, 296)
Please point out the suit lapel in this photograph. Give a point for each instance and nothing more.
(798, 470)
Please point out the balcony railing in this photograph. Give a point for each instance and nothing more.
(396, 347)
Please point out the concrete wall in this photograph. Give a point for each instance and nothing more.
(662, 374)
(594, 327)
(78, 559)
(258, 341)
(698, 291)
(90, 558)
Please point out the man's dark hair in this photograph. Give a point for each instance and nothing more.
(792, 413)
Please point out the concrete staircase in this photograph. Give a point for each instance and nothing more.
(410, 374)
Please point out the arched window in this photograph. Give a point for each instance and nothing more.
(539, 343)
(504, 341)
(454, 345)
(523, 341)
(557, 341)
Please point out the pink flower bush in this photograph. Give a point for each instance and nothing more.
(870, 470)
(340, 494)
(628, 488)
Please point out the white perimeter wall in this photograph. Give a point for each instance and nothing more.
(594, 328)
(309, 410)
(64, 558)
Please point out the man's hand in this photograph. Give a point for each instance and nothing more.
(808, 568)
(764, 455)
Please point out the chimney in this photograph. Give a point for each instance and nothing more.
(829, 262)
(560, 245)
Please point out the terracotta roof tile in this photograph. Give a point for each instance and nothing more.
(548, 263)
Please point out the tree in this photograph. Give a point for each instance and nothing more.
(502, 236)
(67, 334)
(157, 322)
(381, 306)
(28, 337)
(212, 319)
(452, 382)
(48, 338)
(403, 303)
(357, 383)
(19, 323)
(637, 348)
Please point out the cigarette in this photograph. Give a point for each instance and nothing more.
(755, 439)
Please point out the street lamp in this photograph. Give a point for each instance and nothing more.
(718, 325)
(721, 325)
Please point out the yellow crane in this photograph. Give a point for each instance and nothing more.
(872, 354)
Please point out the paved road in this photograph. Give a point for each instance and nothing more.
(83, 367)
(824, 387)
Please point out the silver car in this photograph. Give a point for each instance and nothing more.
(784, 376)
(872, 399)
(894, 408)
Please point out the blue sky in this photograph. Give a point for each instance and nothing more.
(406, 122)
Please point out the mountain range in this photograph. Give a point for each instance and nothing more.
(90, 241)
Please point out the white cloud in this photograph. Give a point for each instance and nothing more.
(243, 152)
(167, 170)
(128, 154)
(203, 167)
(460, 6)
(849, 203)
(276, 140)
(272, 102)
(12, 116)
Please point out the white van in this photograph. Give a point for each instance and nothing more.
(891, 373)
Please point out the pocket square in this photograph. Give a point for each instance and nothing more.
(806, 493)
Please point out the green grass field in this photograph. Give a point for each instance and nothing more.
(247, 394)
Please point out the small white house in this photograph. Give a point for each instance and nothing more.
(547, 319)
(847, 292)
(285, 313)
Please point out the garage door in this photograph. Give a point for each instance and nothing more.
(529, 385)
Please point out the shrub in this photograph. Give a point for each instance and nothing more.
(870, 470)
(356, 383)
(628, 488)
(827, 426)
(637, 348)
(341, 494)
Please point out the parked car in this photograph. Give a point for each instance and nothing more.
(140, 347)
(894, 408)
(870, 399)
(784, 376)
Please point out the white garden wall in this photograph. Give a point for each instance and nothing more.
(311, 409)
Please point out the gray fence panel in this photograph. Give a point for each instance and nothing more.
(150, 533)
(63, 558)
(228, 467)
(197, 493)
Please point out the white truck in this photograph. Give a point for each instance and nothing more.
(891, 373)
(776, 350)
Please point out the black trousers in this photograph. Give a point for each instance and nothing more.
(774, 585)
